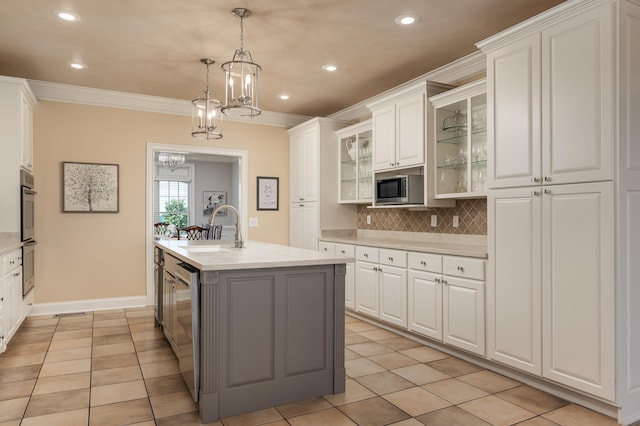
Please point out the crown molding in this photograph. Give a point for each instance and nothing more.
(58, 92)
(460, 69)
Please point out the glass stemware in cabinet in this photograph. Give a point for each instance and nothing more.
(460, 141)
(355, 154)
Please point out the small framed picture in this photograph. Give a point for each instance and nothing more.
(89, 188)
(267, 193)
(211, 201)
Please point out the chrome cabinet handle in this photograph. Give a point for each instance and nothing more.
(535, 179)
(536, 193)
(546, 179)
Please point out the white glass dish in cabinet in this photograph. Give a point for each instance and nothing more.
(460, 133)
(355, 152)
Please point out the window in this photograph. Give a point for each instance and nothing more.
(173, 202)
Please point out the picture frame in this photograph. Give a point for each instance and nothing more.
(90, 188)
(268, 193)
(211, 200)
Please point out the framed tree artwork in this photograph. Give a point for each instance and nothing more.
(267, 193)
(89, 188)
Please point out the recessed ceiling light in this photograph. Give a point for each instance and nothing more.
(77, 65)
(329, 67)
(284, 97)
(66, 15)
(407, 19)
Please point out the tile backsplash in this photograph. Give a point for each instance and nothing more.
(472, 218)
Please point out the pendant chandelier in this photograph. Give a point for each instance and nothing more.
(241, 73)
(171, 160)
(206, 119)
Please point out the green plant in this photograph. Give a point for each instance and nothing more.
(176, 213)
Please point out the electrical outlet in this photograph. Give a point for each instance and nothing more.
(368, 219)
(456, 221)
(434, 220)
(253, 222)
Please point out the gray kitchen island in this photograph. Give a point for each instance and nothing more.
(266, 323)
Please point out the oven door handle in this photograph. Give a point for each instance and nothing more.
(30, 243)
(29, 191)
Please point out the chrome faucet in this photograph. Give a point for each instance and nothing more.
(238, 243)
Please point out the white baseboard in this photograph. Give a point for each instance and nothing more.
(88, 305)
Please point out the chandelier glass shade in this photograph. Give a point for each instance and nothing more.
(241, 73)
(206, 117)
(171, 160)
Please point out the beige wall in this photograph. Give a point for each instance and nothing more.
(101, 255)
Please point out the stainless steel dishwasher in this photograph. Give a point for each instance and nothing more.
(186, 323)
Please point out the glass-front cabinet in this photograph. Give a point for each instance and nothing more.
(460, 134)
(355, 153)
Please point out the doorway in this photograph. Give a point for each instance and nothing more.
(238, 198)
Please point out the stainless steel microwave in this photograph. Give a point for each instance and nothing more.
(403, 189)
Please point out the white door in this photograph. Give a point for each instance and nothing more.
(513, 114)
(384, 138)
(425, 303)
(463, 314)
(367, 288)
(578, 287)
(309, 229)
(578, 98)
(296, 225)
(393, 295)
(410, 140)
(514, 322)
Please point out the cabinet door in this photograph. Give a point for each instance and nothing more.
(513, 116)
(463, 314)
(578, 287)
(349, 287)
(303, 225)
(425, 303)
(367, 288)
(326, 247)
(410, 141)
(514, 322)
(310, 166)
(11, 304)
(578, 101)
(167, 280)
(393, 295)
(4, 336)
(295, 167)
(26, 133)
(384, 138)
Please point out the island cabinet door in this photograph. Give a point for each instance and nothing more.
(268, 337)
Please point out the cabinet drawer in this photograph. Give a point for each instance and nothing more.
(345, 250)
(12, 260)
(170, 264)
(326, 247)
(425, 262)
(463, 267)
(393, 258)
(368, 254)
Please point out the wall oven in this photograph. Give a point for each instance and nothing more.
(27, 231)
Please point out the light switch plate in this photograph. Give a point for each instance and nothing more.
(253, 222)
(456, 221)
(434, 220)
(368, 219)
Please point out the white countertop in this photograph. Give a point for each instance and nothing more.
(454, 245)
(9, 241)
(218, 255)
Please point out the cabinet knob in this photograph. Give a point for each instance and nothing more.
(300, 205)
(325, 249)
(546, 179)
(365, 255)
(444, 281)
(547, 191)
(423, 263)
(460, 268)
(1, 299)
(536, 193)
(438, 280)
(390, 259)
(342, 251)
(397, 164)
(11, 262)
(391, 164)
(535, 179)
(16, 274)
(300, 199)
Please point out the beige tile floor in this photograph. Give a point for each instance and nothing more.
(115, 368)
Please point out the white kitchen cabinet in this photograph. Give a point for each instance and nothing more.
(4, 337)
(577, 287)
(398, 127)
(355, 151)
(460, 148)
(514, 281)
(425, 294)
(303, 220)
(12, 273)
(550, 298)
(566, 71)
(16, 142)
(463, 301)
(313, 183)
(349, 279)
(381, 284)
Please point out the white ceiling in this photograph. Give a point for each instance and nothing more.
(154, 47)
